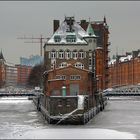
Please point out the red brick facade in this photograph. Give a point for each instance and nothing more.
(124, 73)
(23, 73)
(54, 83)
(102, 32)
(19, 75)
(2, 74)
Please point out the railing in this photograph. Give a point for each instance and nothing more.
(132, 90)
(16, 94)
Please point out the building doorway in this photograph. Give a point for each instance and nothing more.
(74, 89)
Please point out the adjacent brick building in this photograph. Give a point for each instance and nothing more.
(125, 69)
(13, 75)
(23, 73)
(101, 30)
(2, 70)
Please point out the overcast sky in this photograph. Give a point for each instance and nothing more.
(35, 18)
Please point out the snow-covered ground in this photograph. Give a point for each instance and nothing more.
(20, 120)
(75, 134)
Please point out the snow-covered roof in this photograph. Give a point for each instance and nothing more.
(73, 31)
(9, 64)
(125, 58)
(121, 59)
(112, 61)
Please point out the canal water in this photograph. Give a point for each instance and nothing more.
(120, 120)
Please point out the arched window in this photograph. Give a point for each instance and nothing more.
(67, 54)
(53, 54)
(75, 54)
(63, 64)
(61, 54)
(79, 65)
(81, 54)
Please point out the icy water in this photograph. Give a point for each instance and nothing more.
(120, 120)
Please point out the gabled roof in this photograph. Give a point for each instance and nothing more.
(69, 27)
(69, 66)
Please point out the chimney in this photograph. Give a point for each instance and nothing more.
(55, 25)
(84, 24)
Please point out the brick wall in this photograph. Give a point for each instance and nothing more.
(53, 84)
(124, 73)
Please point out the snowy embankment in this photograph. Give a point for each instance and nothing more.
(75, 134)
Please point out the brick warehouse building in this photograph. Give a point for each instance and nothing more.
(13, 75)
(101, 30)
(65, 48)
(125, 69)
(70, 63)
(23, 74)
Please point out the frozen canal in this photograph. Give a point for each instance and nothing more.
(120, 119)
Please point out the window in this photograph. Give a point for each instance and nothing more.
(63, 64)
(90, 40)
(67, 54)
(57, 38)
(62, 77)
(71, 38)
(81, 54)
(79, 65)
(52, 66)
(53, 54)
(75, 77)
(61, 54)
(75, 54)
(90, 61)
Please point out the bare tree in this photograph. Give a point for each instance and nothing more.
(35, 77)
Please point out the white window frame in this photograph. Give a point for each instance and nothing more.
(75, 77)
(63, 64)
(53, 54)
(79, 65)
(61, 77)
(75, 54)
(81, 55)
(61, 54)
(67, 54)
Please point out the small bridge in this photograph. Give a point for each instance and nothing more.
(16, 94)
(132, 90)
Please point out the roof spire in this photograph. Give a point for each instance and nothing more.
(1, 55)
(104, 19)
(90, 30)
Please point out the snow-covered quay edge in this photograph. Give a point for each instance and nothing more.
(77, 116)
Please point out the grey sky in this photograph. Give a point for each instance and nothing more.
(36, 18)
